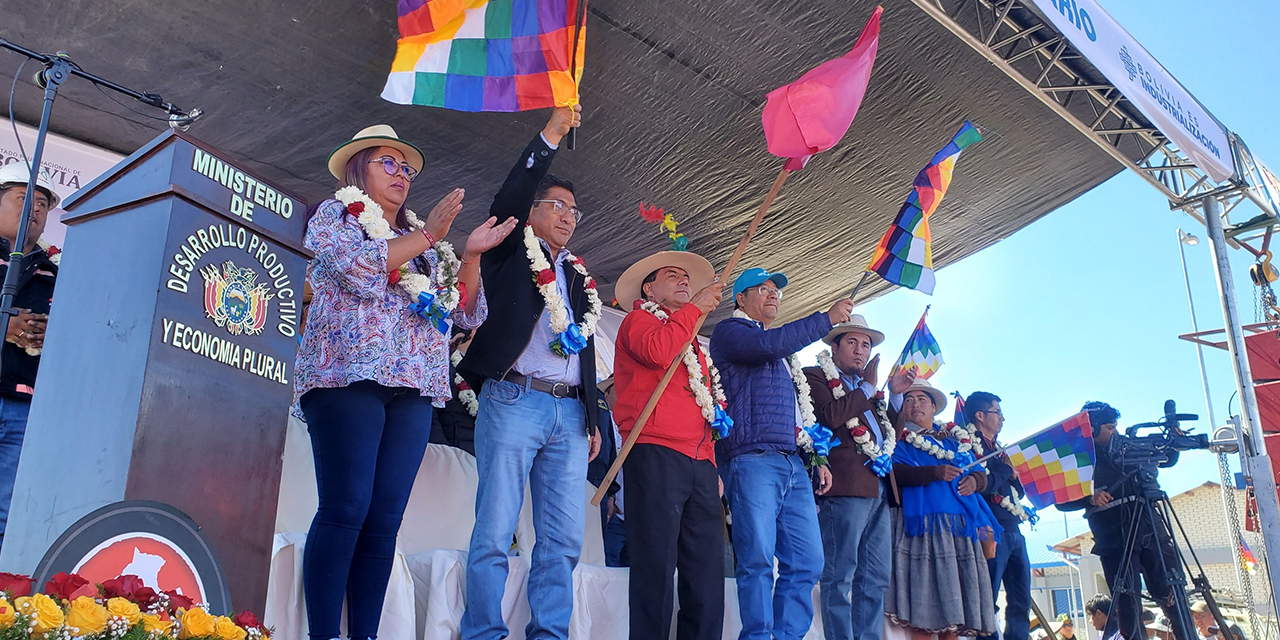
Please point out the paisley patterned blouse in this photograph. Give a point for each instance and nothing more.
(361, 328)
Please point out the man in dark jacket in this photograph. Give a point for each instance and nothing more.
(854, 514)
(537, 394)
(769, 491)
(1004, 492)
(25, 338)
(1115, 514)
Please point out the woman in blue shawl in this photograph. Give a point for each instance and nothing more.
(940, 583)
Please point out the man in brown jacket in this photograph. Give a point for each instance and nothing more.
(853, 515)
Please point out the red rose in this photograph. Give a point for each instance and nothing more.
(858, 430)
(178, 601)
(463, 386)
(589, 283)
(246, 620)
(546, 276)
(880, 396)
(52, 251)
(15, 585)
(833, 384)
(61, 586)
(122, 587)
(355, 208)
(144, 597)
(393, 276)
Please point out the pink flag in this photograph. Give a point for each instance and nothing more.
(814, 112)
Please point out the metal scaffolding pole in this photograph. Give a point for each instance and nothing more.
(1264, 484)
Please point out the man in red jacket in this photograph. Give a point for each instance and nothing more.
(673, 502)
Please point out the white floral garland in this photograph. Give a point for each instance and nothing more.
(551, 293)
(45, 245)
(466, 395)
(1014, 507)
(865, 442)
(443, 284)
(929, 445)
(708, 396)
(962, 435)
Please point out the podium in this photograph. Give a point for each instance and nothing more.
(167, 373)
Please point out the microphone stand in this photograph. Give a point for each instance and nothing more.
(57, 69)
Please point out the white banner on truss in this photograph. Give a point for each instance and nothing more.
(1144, 82)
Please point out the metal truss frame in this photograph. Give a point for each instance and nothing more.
(1013, 36)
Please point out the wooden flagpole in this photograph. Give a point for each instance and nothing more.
(675, 364)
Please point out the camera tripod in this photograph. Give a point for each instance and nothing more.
(1152, 507)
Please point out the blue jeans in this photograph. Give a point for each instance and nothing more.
(13, 427)
(856, 543)
(523, 436)
(367, 441)
(1012, 566)
(614, 532)
(774, 515)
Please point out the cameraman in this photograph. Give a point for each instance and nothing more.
(1113, 512)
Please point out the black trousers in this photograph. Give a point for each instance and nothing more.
(674, 524)
(1144, 561)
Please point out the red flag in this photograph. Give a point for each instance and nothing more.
(814, 112)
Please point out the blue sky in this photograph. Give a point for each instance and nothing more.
(1087, 303)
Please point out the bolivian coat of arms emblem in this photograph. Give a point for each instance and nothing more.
(234, 299)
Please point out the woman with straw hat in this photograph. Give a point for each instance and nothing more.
(374, 360)
(939, 583)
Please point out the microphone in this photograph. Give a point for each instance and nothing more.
(183, 122)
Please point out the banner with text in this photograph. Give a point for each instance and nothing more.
(69, 165)
(1147, 85)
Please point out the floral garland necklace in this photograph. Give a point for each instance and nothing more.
(1015, 507)
(466, 395)
(709, 395)
(432, 298)
(814, 441)
(570, 337)
(929, 444)
(881, 455)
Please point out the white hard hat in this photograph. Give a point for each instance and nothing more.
(19, 173)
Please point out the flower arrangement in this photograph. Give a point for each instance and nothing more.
(122, 608)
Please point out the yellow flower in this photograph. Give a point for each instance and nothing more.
(87, 616)
(197, 623)
(6, 614)
(121, 608)
(155, 623)
(225, 629)
(43, 610)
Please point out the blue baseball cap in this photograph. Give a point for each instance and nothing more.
(755, 277)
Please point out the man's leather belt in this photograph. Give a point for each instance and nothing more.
(556, 389)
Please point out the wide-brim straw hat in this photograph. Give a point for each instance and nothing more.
(379, 135)
(627, 290)
(856, 324)
(939, 398)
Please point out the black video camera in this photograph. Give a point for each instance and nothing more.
(1158, 449)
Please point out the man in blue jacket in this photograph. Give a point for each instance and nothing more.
(769, 491)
